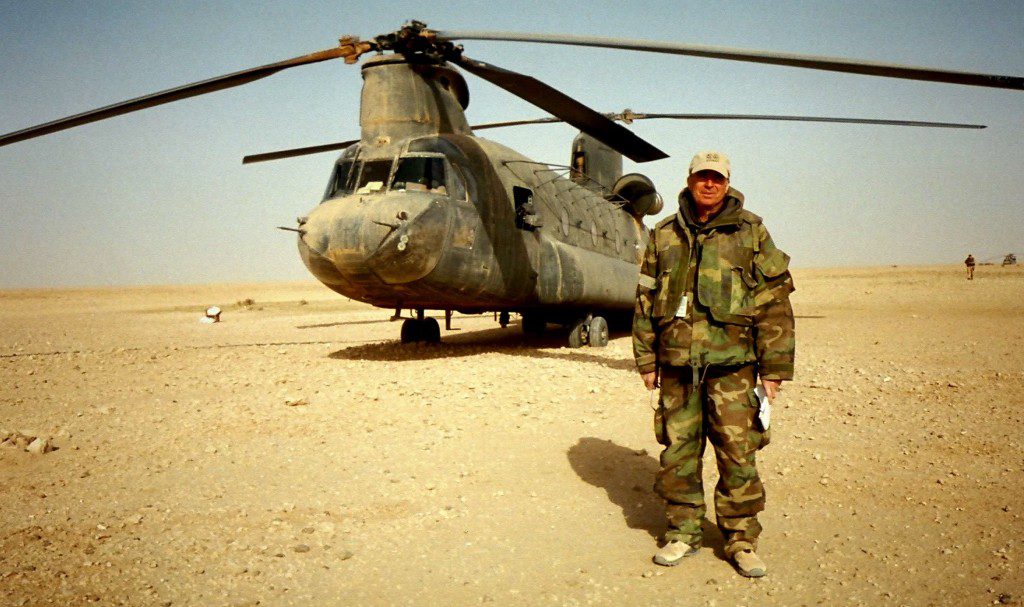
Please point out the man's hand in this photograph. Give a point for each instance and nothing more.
(772, 387)
(650, 379)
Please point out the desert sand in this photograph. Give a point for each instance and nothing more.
(297, 454)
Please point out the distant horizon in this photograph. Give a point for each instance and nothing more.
(312, 282)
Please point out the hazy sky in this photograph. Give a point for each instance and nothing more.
(161, 196)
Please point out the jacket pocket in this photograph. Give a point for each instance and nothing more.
(662, 295)
(659, 424)
(721, 281)
(728, 299)
(772, 263)
(741, 298)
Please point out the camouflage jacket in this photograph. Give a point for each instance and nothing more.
(741, 312)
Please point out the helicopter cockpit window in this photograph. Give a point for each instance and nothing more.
(420, 174)
(339, 183)
(373, 177)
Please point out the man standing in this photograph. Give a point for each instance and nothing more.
(969, 262)
(712, 316)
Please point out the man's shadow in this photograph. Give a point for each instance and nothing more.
(627, 476)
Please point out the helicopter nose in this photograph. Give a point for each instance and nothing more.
(362, 244)
(413, 248)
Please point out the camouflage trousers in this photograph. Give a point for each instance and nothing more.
(720, 406)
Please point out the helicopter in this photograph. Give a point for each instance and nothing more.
(422, 214)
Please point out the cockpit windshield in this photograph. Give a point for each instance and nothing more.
(420, 174)
(374, 176)
(339, 179)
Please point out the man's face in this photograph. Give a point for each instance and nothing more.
(708, 188)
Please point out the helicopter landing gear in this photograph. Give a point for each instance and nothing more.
(420, 329)
(533, 324)
(579, 334)
(592, 331)
(598, 330)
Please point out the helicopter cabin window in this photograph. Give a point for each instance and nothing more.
(339, 183)
(420, 174)
(526, 214)
(578, 170)
(374, 176)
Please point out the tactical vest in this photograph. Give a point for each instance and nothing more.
(727, 258)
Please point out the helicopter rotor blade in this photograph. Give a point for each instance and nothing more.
(498, 125)
(628, 116)
(833, 64)
(331, 147)
(349, 49)
(771, 117)
(565, 107)
(313, 149)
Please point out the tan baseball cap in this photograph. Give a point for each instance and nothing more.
(710, 161)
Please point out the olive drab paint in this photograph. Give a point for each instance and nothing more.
(503, 233)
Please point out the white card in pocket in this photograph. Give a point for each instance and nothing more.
(764, 407)
(681, 311)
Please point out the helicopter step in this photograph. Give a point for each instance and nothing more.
(420, 329)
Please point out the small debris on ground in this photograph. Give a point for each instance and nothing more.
(36, 445)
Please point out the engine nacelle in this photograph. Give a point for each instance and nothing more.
(641, 197)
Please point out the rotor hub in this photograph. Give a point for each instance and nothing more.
(415, 39)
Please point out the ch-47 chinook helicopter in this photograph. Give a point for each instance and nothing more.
(421, 214)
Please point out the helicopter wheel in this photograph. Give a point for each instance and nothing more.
(430, 331)
(533, 325)
(579, 334)
(598, 332)
(411, 330)
(425, 330)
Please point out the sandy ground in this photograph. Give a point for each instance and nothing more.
(492, 470)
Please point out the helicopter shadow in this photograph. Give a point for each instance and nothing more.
(510, 341)
(626, 475)
(343, 323)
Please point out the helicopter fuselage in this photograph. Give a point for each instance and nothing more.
(422, 214)
(457, 222)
